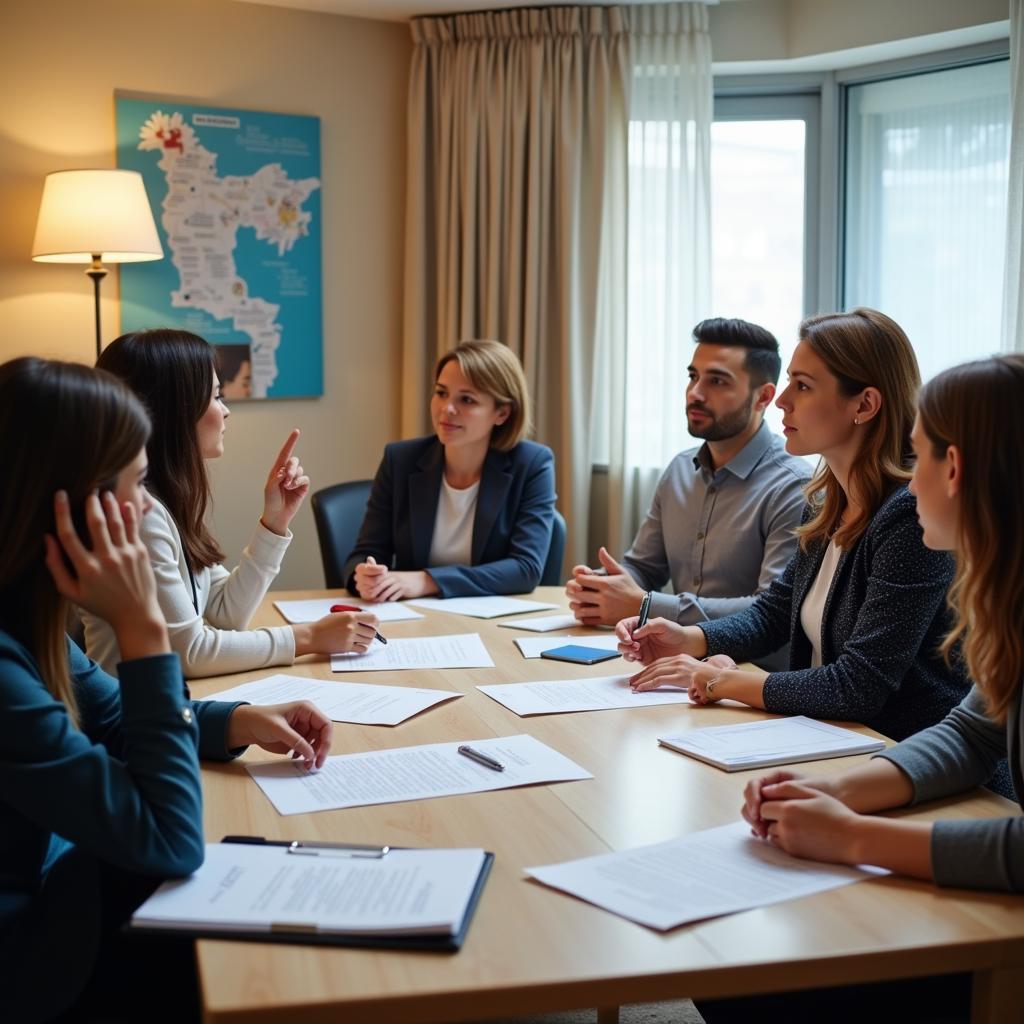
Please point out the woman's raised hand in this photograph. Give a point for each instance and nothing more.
(287, 486)
(112, 578)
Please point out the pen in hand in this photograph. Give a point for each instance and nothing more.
(475, 755)
(355, 608)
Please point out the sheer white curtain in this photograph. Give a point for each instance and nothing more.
(927, 173)
(1013, 288)
(668, 252)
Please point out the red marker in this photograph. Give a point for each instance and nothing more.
(355, 608)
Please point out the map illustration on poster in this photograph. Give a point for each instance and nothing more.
(236, 200)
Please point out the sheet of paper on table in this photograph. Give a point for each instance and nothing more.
(531, 646)
(411, 773)
(717, 871)
(481, 607)
(559, 696)
(359, 703)
(464, 650)
(543, 623)
(316, 608)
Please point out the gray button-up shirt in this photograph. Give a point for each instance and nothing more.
(721, 536)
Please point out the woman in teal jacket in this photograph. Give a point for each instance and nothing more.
(99, 777)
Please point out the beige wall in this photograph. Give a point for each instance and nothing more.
(783, 29)
(60, 63)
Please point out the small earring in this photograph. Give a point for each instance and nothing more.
(856, 422)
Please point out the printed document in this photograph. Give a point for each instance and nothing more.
(543, 623)
(411, 773)
(601, 693)
(466, 650)
(531, 646)
(360, 703)
(480, 607)
(776, 741)
(317, 608)
(267, 888)
(718, 871)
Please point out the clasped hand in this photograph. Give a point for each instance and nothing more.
(601, 600)
(377, 583)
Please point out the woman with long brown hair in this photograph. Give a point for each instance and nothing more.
(862, 602)
(99, 778)
(969, 441)
(207, 607)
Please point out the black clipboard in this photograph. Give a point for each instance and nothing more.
(428, 943)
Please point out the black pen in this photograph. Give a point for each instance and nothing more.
(313, 848)
(475, 755)
(645, 610)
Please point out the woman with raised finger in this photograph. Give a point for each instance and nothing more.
(208, 608)
(99, 778)
(863, 601)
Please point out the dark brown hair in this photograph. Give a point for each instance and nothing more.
(173, 372)
(977, 407)
(69, 428)
(861, 349)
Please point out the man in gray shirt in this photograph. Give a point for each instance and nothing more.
(721, 524)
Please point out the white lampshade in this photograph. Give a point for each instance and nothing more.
(104, 212)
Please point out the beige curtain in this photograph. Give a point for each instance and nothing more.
(515, 227)
(1013, 281)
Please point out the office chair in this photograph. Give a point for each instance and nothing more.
(552, 574)
(338, 512)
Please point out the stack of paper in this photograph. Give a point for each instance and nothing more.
(360, 703)
(274, 891)
(481, 607)
(466, 650)
(317, 608)
(411, 773)
(778, 741)
(718, 871)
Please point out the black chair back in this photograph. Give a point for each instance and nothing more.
(338, 511)
(552, 574)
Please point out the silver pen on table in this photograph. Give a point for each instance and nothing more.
(475, 755)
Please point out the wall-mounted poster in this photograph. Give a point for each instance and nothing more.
(236, 199)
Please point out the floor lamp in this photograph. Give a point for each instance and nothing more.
(95, 217)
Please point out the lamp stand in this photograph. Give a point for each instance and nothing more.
(97, 272)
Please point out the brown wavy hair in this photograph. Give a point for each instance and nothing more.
(172, 372)
(863, 348)
(69, 428)
(977, 407)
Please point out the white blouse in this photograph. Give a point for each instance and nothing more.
(207, 624)
(452, 543)
(813, 609)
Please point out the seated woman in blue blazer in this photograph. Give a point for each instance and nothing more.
(468, 511)
(99, 777)
(863, 601)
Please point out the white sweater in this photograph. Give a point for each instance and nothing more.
(212, 640)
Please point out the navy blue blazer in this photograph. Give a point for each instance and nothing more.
(119, 793)
(511, 530)
(884, 619)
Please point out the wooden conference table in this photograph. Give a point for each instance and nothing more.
(531, 949)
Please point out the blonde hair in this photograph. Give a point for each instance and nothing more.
(494, 369)
(863, 348)
(976, 407)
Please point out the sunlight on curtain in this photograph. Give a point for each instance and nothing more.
(927, 167)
